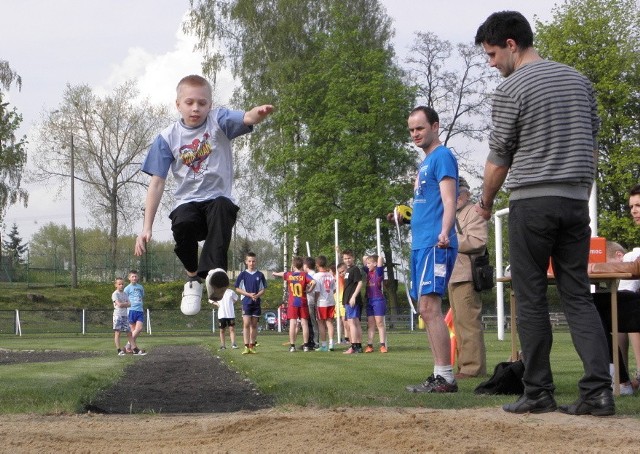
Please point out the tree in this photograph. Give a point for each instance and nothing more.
(457, 82)
(14, 246)
(601, 39)
(13, 155)
(336, 147)
(108, 137)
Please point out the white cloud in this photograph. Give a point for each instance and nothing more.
(158, 75)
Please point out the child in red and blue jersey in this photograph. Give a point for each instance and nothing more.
(298, 284)
(376, 302)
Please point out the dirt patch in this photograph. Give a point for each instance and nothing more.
(371, 430)
(179, 379)
(233, 417)
(40, 356)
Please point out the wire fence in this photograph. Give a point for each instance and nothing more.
(55, 268)
(159, 321)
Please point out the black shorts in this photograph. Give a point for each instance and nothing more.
(224, 322)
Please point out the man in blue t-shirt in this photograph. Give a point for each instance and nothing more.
(435, 244)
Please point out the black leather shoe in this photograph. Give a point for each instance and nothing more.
(601, 404)
(542, 403)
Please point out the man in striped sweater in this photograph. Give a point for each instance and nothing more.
(544, 137)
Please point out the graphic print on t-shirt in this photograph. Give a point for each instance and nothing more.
(196, 153)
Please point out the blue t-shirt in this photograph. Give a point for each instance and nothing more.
(135, 292)
(251, 282)
(426, 220)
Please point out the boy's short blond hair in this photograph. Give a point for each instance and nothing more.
(195, 81)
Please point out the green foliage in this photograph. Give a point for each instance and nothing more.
(335, 147)
(13, 154)
(601, 39)
(14, 246)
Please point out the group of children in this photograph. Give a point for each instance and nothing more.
(128, 313)
(309, 278)
(315, 280)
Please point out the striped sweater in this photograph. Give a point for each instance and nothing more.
(545, 122)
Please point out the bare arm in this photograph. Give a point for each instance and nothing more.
(448, 194)
(352, 301)
(614, 267)
(494, 176)
(154, 194)
(257, 114)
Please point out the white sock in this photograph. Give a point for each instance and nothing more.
(445, 372)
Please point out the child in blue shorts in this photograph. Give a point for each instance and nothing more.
(376, 302)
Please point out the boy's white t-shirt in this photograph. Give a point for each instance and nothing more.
(631, 285)
(121, 297)
(200, 158)
(325, 288)
(226, 309)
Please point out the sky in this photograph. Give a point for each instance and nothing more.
(103, 43)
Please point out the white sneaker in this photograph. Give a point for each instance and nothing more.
(626, 389)
(217, 282)
(191, 296)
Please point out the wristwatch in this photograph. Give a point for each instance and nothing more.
(483, 206)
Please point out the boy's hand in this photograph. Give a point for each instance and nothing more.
(141, 243)
(257, 114)
(265, 110)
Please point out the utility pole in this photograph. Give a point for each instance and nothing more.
(74, 263)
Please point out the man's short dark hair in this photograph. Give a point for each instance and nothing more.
(504, 25)
(635, 190)
(429, 112)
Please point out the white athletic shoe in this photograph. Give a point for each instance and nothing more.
(191, 296)
(217, 282)
(626, 389)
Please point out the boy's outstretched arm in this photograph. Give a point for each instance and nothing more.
(257, 114)
(154, 194)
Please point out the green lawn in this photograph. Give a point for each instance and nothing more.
(312, 379)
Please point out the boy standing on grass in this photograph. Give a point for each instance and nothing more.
(120, 321)
(251, 284)
(309, 267)
(352, 300)
(341, 269)
(376, 302)
(298, 284)
(227, 317)
(325, 288)
(135, 293)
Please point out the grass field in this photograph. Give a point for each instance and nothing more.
(311, 379)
